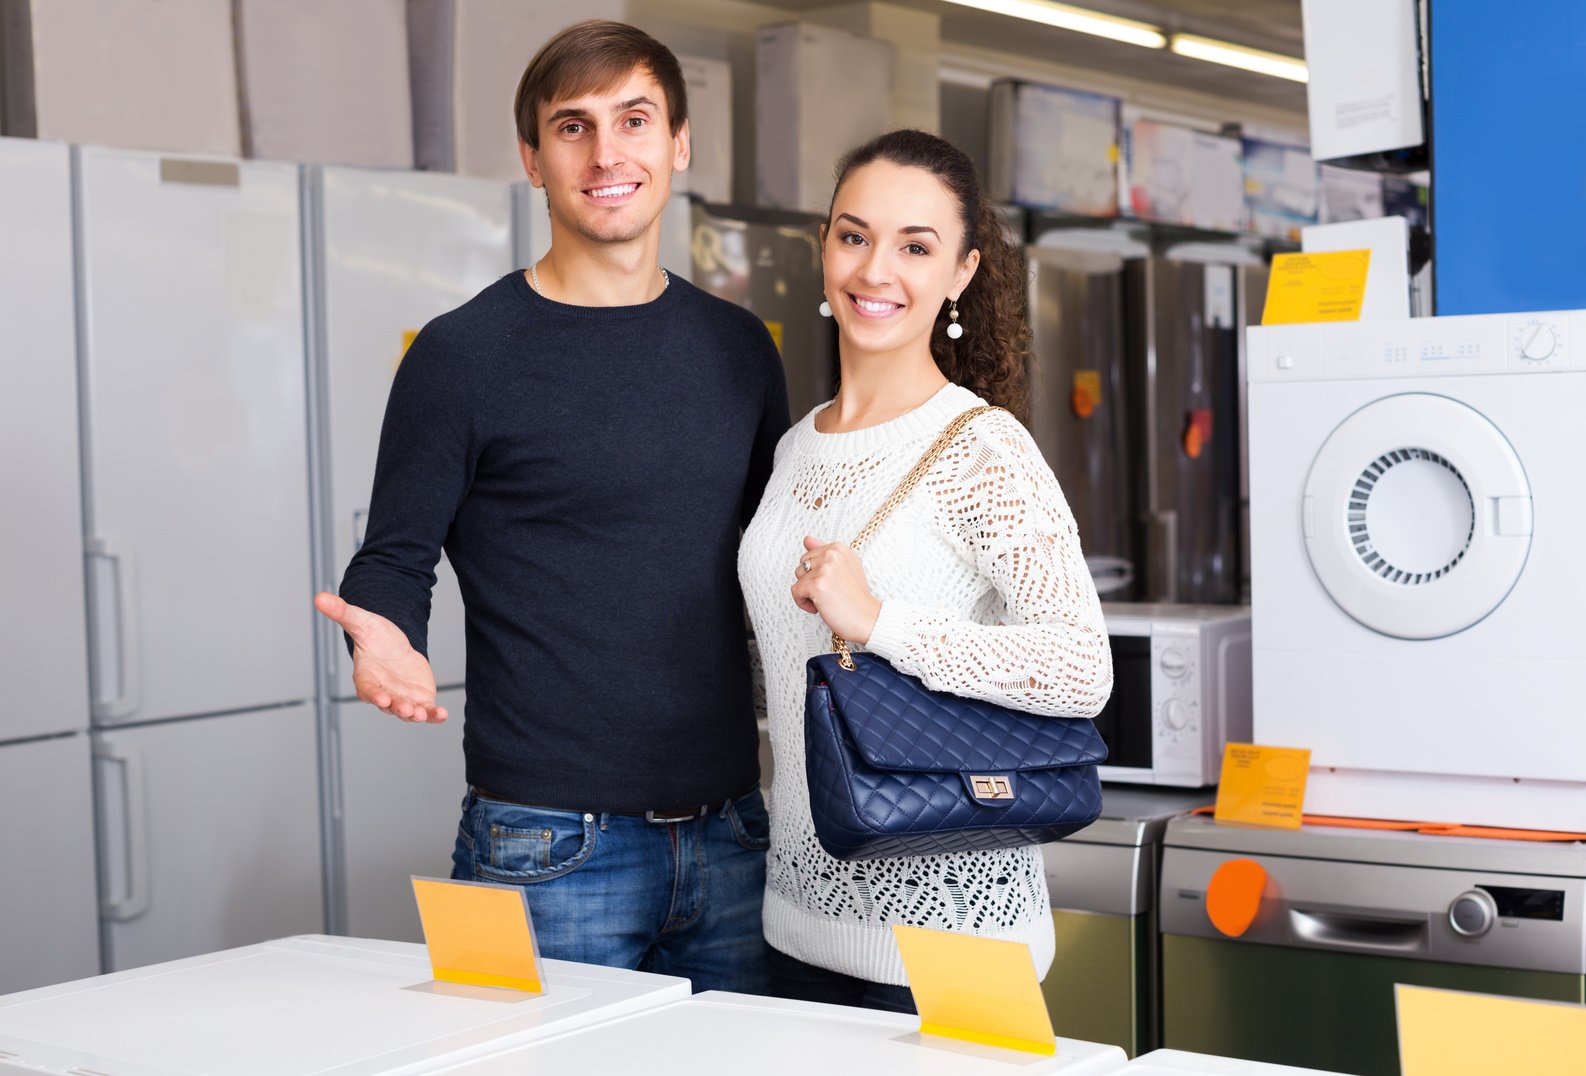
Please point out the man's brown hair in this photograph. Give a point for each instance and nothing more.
(589, 56)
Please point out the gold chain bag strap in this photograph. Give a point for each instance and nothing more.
(899, 495)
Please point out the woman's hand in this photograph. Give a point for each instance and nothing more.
(831, 582)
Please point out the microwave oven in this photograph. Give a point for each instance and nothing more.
(1181, 690)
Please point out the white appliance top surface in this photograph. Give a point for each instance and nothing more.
(1181, 614)
(724, 1034)
(1539, 342)
(1176, 1062)
(309, 1004)
(1559, 859)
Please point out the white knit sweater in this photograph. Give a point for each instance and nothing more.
(984, 593)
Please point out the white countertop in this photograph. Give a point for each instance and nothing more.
(723, 1034)
(311, 1004)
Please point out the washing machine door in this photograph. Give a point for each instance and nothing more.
(1417, 516)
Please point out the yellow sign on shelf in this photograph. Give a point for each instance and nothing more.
(1323, 286)
(1263, 786)
(976, 989)
(479, 934)
(1450, 1033)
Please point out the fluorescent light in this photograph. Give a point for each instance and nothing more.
(1065, 17)
(1221, 52)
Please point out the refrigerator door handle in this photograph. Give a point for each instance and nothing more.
(134, 824)
(335, 769)
(1161, 549)
(1110, 574)
(115, 635)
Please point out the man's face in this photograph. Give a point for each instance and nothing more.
(606, 159)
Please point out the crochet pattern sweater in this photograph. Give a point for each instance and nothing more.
(984, 594)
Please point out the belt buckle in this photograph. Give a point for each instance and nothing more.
(659, 817)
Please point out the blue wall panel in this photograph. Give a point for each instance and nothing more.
(1508, 154)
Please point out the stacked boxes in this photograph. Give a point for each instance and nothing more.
(1054, 149)
(134, 74)
(302, 100)
(819, 93)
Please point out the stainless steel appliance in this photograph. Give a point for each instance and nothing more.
(1181, 691)
(768, 261)
(1346, 914)
(1105, 985)
(1137, 403)
(1184, 346)
(1078, 391)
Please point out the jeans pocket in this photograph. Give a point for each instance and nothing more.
(520, 845)
(751, 825)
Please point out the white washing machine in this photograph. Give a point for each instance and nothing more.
(1418, 568)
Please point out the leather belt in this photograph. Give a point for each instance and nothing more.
(673, 814)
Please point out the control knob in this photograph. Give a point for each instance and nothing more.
(1537, 341)
(1175, 715)
(1472, 913)
(1173, 663)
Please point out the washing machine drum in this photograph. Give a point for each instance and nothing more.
(1417, 516)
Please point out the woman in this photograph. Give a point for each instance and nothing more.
(975, 584)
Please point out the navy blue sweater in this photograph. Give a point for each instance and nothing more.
(587, 470)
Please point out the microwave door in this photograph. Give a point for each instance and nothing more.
(1125, 723)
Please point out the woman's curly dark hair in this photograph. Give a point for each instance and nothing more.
(989, 359)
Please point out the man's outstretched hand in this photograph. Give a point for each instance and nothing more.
(386, 671)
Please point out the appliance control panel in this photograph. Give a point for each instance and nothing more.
(1455, 916)
(1538, 342)
(1176, 703)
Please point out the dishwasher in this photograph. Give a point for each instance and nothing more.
(1103, 986)
(1345, 914)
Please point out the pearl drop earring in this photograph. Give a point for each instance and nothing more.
(826, 309)
(954, 330)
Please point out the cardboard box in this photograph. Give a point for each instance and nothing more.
(709, 174)
(819, 93)
(133, 74)
(302, 100)
(916, 38)
(1054, 148)
(1281, 189)
(1364, 91)
(467, 57)
(1177, 175)
(1348, 194)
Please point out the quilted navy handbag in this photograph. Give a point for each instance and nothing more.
(896, 769)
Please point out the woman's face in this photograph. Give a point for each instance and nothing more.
(890, 255)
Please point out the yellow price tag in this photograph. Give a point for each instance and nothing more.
(1328, 286)
(479, 933)
(408, 336)
(976, 989)
(1263, 786)
(1449, 1033)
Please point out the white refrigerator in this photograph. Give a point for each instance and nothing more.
(49, 921)
(386, 253)
(195, 513)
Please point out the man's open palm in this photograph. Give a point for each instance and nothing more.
(386, 671)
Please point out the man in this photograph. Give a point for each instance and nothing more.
(585, 440)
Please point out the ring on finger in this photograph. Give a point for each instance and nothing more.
(805, 564)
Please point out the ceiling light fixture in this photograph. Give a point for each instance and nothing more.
(1065, 17)
(1221, 52)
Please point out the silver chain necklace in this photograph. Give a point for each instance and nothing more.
(534, 278)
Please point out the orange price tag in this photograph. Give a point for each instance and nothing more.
(1263, 786)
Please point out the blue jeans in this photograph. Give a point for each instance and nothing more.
(675, 898)
(792, 978)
